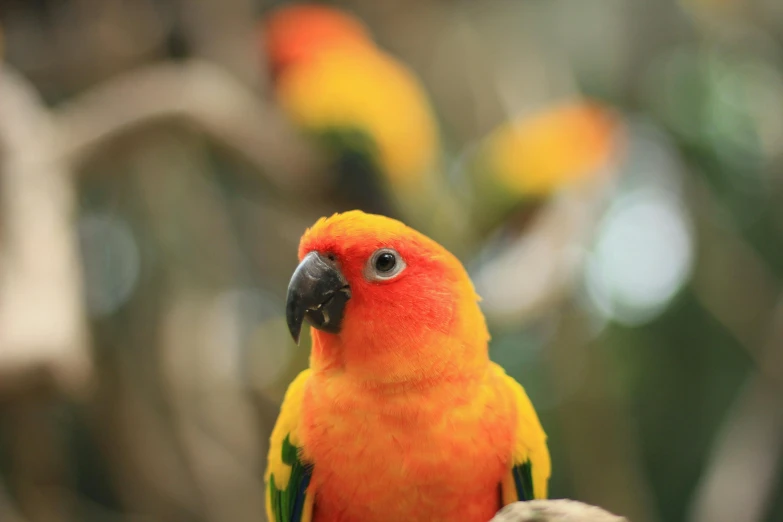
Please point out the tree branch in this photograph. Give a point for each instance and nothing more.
(738, 482)
(739, 479)
(560, 510)
(42, 329)
(551, 252)
(201, 94)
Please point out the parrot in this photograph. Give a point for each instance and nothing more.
(528, 159)
(401, 415)
(538, 180)
(366, 109)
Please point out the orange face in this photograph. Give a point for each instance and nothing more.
(295, 33)
(381, 297)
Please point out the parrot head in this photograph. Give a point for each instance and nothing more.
(384, 301)
(297, 33)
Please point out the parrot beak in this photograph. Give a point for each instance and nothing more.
(317, 292)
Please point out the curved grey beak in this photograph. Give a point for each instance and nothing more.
(317, 292)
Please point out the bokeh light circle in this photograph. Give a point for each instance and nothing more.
(642, 258)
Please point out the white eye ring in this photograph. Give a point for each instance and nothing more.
(384, 264)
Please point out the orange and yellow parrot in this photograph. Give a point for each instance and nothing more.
(401, 415)
(529, 159)
(368, 110)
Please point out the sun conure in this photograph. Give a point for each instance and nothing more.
(367, 109)
(401, 415)
(528, 159)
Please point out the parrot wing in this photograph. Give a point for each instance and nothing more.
(287, 475)
(531, 465)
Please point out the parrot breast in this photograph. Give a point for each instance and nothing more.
(431, 453)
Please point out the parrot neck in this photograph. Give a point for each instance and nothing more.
(401, 360)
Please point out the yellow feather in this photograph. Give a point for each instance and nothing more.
(366, 89)
(307, 512)
(508, 490)
(287, 426)
(530, 438)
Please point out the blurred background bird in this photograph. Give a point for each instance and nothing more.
(367, 110)
(530, 158)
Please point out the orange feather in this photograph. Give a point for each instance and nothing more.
(295, 33)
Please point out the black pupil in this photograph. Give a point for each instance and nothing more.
(385, 262)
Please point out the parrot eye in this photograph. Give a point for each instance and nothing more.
(384, 264)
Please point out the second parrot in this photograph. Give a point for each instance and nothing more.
(368, 110)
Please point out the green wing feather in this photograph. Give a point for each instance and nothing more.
(523, 480)
(287, 474)
(530, 462)
(288, 503)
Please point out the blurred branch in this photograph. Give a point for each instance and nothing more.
(598, 436)
(750, 306)
(226, 32)
(42, 329)
(551, 249)
(8, 513)
(554, 511)
(744, 305)
(43, 341)
(136, 414)
(210, 415)
(37, 462)
(749, 444)
(201, 94)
